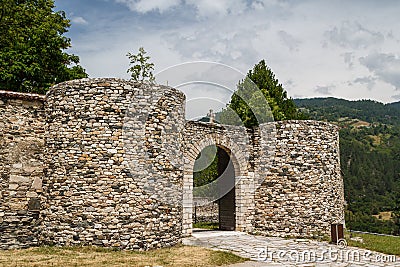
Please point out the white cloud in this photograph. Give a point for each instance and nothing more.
(385, 66)
(369, 81)
(203, 8)
(349, 59)
(215, 42)
(289, 40)
(79, 20)
(396, 97)
(354, 35)
(324, 90)
(206, 8)
(268, 3)
(286, 33)
(144, 6)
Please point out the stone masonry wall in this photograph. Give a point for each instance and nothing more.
(302, 193)
(21, 168)
(109, 162)
(205, 213)
(290, 184)
(104, 146)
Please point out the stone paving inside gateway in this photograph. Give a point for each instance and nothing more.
(274, 251)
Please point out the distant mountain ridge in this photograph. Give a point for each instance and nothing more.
(395, 105)
(332, 109)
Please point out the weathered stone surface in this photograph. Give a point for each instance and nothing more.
(302, 191)
(109, 162)
(102, 149)
(288, 180)
(21, 162)
(37, 184)
(205, 213)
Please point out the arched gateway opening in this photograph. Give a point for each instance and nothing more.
(214, 196)
(233, 192)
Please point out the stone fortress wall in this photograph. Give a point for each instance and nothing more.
(109, 162)
(96, 174)
(291, 187)
(303, 192)
(21, 168)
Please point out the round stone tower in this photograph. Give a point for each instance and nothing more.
(107, 147)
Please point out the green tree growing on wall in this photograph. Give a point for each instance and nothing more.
(140, 69)
(260, 82)
(32, 47)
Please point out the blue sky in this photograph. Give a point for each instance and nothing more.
(345, 49)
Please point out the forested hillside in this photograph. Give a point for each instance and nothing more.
(370, 158)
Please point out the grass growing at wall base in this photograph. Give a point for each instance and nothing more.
(385, 244)
(95, 256)
(206, 225)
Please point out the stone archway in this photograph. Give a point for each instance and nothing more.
(200, 135)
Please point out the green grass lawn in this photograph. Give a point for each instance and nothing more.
(180, 256)
(385, 244)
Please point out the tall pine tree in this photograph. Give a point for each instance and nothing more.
(258, 89)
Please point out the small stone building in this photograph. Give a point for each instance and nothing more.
(109, 162)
